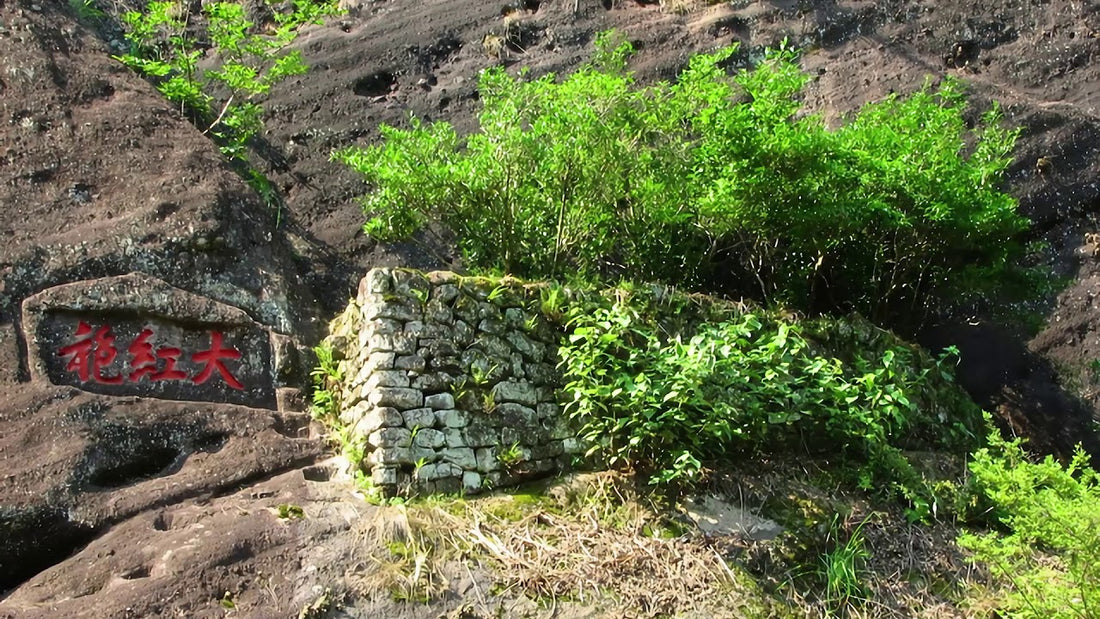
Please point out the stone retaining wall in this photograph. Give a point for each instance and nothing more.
(450, 382)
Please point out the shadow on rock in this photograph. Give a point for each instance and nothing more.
(1021, 387)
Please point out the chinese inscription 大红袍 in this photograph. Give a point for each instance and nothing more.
(94, 352)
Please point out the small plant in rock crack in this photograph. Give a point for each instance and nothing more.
(552, 301)
(511, 457)
(421, 295)
(87, 11)
(327, 377)
(481, 374)
(266, 190)
(460, 389)
(530, 323)
(497, 292)
(289, 511)
(227, 601)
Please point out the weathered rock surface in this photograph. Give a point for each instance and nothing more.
(75, 463)
(185, 559)
(100, 177)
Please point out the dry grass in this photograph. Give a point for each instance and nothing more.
(554, 557)
(407, 548)
(683, 7)
(595, 543)
(591, 542)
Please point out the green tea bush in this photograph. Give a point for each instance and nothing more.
(1047, 551)
(583, 175)
(665, 399)
(165, 47)
(713, 178)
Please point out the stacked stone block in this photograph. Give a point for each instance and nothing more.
(451, 382)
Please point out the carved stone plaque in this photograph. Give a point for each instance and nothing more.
(135, 335)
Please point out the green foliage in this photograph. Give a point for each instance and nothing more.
(843, 570)
(265, 189)
(87, 11)
(1048, 554)
(326, 376)
(713, 177)
(665, 399)
(552, 300)
(511, 457)
(227, 601)
(167, 43)
(488, 402)
(289, 511)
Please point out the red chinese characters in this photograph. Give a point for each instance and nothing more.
(91, 353)
(143, 360)
(212, 360)
(94, 351)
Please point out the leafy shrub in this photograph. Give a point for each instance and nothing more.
(557, 175)
(712, 178)
(665, 399)
(1048, 554)
(164, 47)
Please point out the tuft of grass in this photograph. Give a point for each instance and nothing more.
(511, 457)
(843, 570)
(410, 545)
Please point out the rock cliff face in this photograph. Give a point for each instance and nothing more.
(99, 177)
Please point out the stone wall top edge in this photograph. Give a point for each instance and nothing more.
(439, 277)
